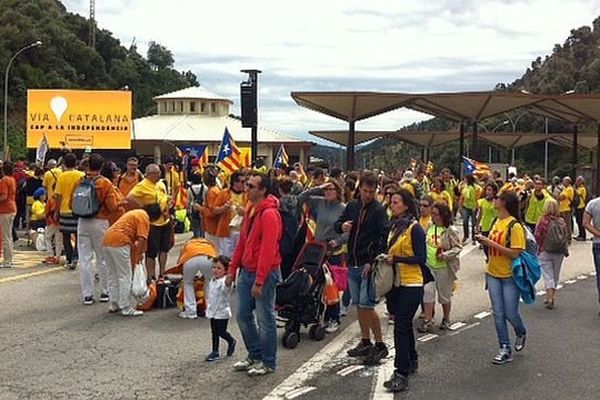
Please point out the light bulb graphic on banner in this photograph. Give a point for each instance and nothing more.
(58, 105)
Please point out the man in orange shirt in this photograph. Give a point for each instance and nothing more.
(8, 210)
(123, 242)
(129, 178)
(90, 232)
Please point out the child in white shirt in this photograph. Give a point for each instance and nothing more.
(218, 310)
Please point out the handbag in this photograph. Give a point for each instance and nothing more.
(382, 275)
(340, 276)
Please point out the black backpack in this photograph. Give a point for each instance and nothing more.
(293, 288)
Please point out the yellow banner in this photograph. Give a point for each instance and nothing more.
(100, 119)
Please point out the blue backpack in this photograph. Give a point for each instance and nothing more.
(85, 202)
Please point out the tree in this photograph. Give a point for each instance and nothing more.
(159, 56)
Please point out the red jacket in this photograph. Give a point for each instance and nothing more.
(258, 248)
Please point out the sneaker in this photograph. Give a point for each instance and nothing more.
(425, 326)
(376, 354)
(520, 342)
(185, 315)
(104, 298)
(213, 356)
(504, 356)
(332, 327)
(88, 300)
(70, 265)
(362, 349)
(445, 325)
(231, 348)
(396, 383)
(245, 365)
(113, 307)
(344, 310)
(131, 312)
(260, 369)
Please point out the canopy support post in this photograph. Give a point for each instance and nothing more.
(474, 153)
(350, 148)
(461, 149)
(574, 159)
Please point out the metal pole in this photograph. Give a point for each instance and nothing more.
(38, 43)
(512, 157)
(546, 150)
(461, 148)
(489, 154)
(253, 78)
(350, 148)
(574, 157)
(474, 154)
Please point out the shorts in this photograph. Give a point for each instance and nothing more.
(160, 239)
(362, 290)
(443, 285)
(35, 225)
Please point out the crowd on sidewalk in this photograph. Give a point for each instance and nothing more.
(249, 225)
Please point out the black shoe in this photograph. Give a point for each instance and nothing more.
(397, 383)
(88, 300)
(361, 350)
(231, 348)
(104, 297)
(376, 354)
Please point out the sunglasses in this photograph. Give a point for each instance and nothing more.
(424, 205)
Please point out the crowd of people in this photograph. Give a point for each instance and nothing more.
(248, 227)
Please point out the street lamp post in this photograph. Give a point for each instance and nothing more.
(35, 44)
(506, 122)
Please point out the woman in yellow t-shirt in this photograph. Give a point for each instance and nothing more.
(438, 192)
(505, 242)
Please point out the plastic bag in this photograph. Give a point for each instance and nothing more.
(40, 240)
(139, 284)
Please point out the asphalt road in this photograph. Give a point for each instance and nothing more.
(54, 347)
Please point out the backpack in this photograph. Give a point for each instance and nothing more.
(85, 202)
(530, 243)
(557, 237)
(294, 288)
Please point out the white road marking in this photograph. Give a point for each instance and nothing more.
(31, 274)
(582, 277)
(457, 325)
(299, 392)
(348, 370)
(559, 286)
(593, 273)
(427, 337)
(570, 281)
(473, 325)
(483, 314)
(378, 392)
(310, 368)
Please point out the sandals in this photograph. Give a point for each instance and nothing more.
(550, 304)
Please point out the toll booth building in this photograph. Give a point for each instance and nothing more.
(195, 116)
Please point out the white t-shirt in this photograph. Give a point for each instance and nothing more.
(593, 208)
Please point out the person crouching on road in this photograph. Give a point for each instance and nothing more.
(218, 309)
(505, 243)
(124, 242)
(258, 260)
(407, 253)
(196, 256)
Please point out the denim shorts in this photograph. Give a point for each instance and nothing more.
(361, 289)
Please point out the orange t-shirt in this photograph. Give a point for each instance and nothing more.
(193, 248)
(107, 195)
(51, 207)
(118, 213)
(125, 182)
(8, 186)
(131, 226)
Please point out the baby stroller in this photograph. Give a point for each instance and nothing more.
(300, 296)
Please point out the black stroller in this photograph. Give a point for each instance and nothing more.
(300, 296)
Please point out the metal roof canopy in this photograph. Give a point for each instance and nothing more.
(428, 139)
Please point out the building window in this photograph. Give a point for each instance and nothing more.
(172, 106)
(181, 106)
(202, 107)
(213, 108)
(192, 106)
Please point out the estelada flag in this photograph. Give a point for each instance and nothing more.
(473, 167)
(229, 157)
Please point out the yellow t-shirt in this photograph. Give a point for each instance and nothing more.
(50, 181)
(582, 191)
(146, 193)
(38, 211)
(65, 186)
(173, 182)
(443, 197)
(565, 205)
(425, 221)
(407, 274)
(499, 265)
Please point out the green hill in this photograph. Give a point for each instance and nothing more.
(66, 61)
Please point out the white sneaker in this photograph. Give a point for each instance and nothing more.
(131, 312)
(332, 327)
(184, 315)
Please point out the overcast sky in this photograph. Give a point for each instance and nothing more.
(379, 45)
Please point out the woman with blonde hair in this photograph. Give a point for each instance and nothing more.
(552, 237)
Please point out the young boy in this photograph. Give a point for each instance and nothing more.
(218, 309)
(37, 215)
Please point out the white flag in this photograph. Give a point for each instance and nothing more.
(40, 154)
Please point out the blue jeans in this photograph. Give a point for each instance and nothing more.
(468, 214)
(260, 342)
(596, 253)
(361, 288)
(504, 296)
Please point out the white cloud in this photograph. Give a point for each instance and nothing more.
(387, 45)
